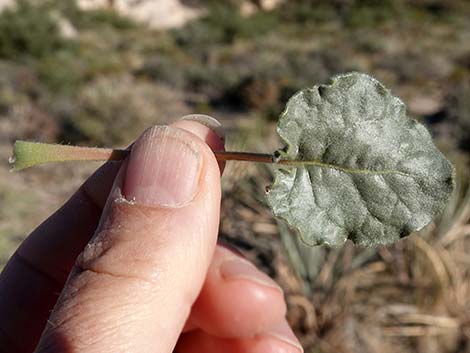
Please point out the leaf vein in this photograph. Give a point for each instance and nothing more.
(315, 163)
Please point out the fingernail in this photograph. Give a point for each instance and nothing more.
(164, 168)
(235, 268)
(207, 121)
(284, 333)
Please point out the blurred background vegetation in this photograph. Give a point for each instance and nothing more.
(75, 73)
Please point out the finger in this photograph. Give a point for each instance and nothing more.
(135, 282)
(279, 338)
(208, 129)
(237, 299)
(33, 278)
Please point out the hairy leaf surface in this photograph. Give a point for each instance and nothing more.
(361, 169)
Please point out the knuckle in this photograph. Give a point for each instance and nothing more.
(122, 256)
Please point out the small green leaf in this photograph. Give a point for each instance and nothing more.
(360, 170)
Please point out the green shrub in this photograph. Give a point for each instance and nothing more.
(65, 71)
(28, 31)
(60, 72)
(308, 11)
(95, 19)
(164, 69)
(113, 110)
(91, 19)
(223, 25)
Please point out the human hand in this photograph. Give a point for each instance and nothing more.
(152, 276)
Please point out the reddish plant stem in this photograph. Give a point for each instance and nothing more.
(220, 156)
(244, 156)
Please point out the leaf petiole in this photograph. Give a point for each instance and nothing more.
(28, 154)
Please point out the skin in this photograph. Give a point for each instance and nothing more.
(106, 276)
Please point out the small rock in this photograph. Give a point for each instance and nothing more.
(66, 28)
(4, 4)
(160, 14)
(422, 105)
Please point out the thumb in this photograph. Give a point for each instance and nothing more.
(133, 286)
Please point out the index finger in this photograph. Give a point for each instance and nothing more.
(33, 278)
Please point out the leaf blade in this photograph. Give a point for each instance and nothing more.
(377, 175)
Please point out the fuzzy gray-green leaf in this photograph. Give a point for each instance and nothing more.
(363, 170)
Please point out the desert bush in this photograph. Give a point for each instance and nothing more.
(351, 13)
(65, 71)
(266, 76)
(368, 13)
(91, 19)
(308, 11)
(95, 19)
(459, 111)
(60, 72)
(114, 110)
(29, 31)
(223, 25)
(162, 68)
